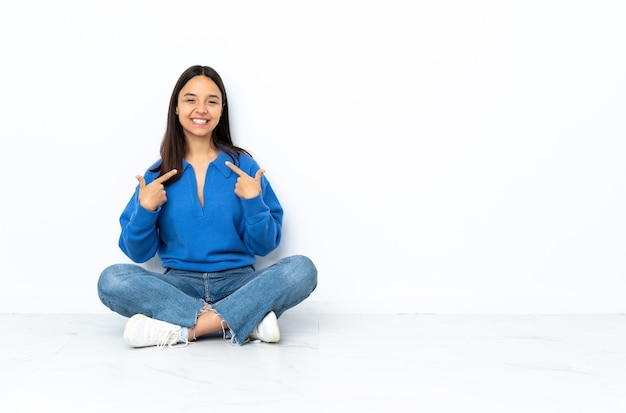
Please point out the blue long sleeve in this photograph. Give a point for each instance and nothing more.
(227, 232)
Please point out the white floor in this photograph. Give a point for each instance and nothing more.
(347, 363)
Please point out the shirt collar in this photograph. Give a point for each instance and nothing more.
(219, 163)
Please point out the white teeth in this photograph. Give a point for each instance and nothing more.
(199, 121)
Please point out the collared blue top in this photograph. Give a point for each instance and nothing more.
(226, 232)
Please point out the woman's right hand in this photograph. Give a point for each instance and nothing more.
(153, 195)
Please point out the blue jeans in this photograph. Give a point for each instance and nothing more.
(242, 297)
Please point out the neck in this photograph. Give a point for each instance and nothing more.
(200, 149)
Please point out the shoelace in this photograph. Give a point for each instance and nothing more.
(166, 338)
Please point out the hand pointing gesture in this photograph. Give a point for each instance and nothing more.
(152, 196)
(246, 187)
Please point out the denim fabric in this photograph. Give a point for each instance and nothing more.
(242, 296)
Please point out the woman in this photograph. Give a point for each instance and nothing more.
(207, 210)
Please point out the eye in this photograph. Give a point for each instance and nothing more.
(190, 100)
(213, 102)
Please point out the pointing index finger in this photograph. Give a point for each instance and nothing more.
(166, 176)
(236, 169)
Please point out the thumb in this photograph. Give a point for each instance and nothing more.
(142, 181)
(258, 174)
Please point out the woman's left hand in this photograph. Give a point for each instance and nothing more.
(246, 187)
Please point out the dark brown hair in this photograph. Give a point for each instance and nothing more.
(174, 146)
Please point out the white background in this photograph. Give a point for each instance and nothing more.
(431, 156)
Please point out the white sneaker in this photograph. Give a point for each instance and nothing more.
(267, 330)
(143, 331)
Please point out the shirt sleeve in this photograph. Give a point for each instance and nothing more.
(263, 221)
(139, 238)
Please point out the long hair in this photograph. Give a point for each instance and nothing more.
(174, 146)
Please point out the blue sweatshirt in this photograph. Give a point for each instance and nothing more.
(226, 233)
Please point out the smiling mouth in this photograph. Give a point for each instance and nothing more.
(200, 121)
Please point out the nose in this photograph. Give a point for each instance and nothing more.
(202, 108)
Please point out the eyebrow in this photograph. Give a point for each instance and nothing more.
(193, 94)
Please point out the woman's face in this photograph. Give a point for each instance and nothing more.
(199, 107)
